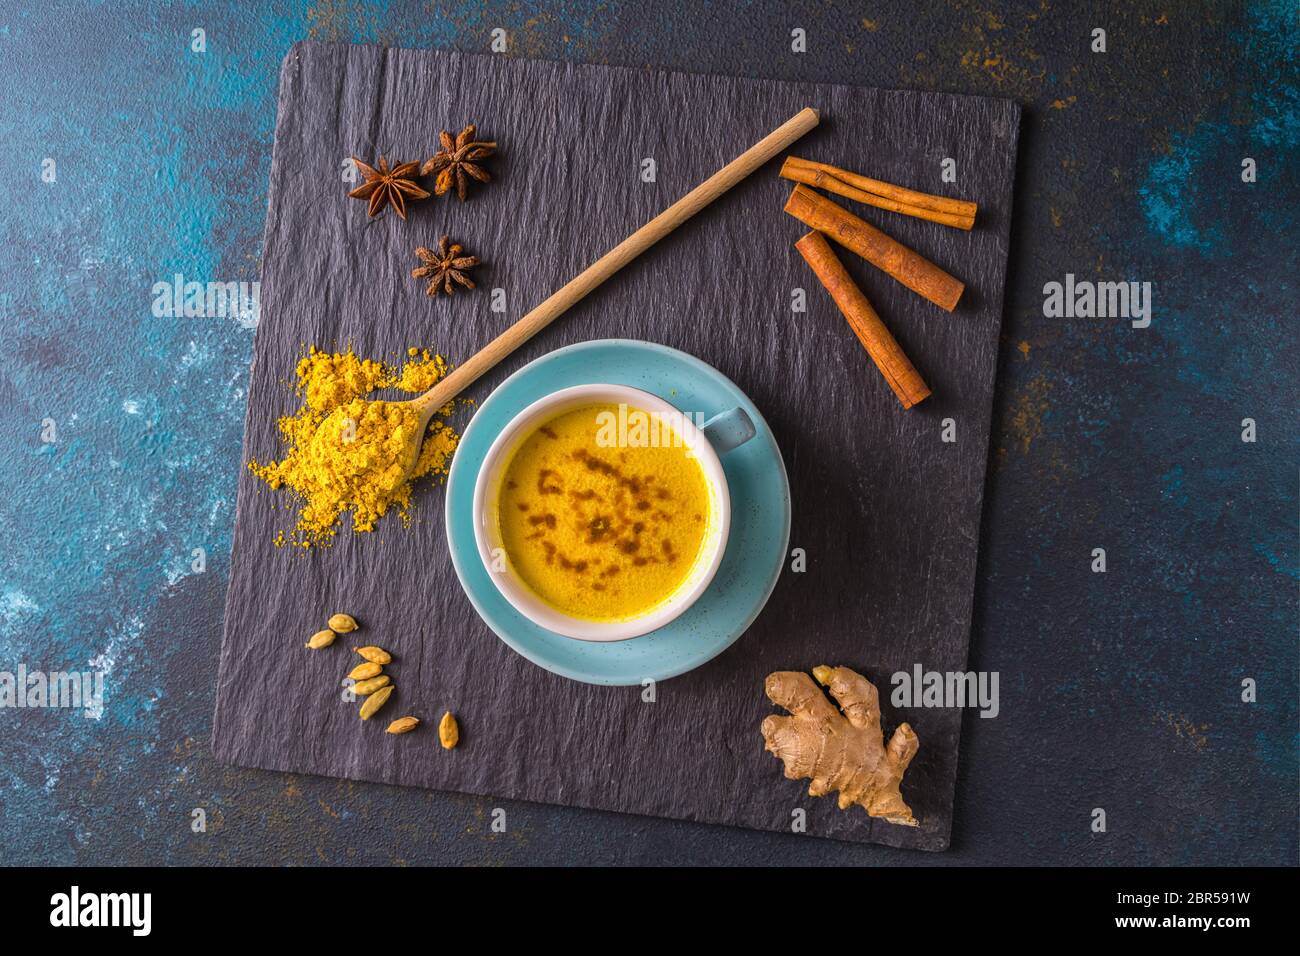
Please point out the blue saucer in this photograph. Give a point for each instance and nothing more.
(760, 515)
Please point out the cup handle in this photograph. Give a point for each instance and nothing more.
(729, 429)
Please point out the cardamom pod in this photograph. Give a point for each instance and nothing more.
(367, 687)
(376, 655)
(365, 671)
(403, 725)
(320, 639)
(448, 731)
(375, 701)
(342, 623)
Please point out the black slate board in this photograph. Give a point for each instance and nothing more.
(887, 514)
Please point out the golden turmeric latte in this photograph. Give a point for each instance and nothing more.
(348, 454)
(601, 533)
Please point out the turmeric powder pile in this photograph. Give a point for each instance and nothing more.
(349, 454)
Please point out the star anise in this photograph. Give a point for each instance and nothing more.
(444, 267)
(458, 160)
(384, 186)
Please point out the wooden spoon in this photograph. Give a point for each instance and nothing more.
(604, 267)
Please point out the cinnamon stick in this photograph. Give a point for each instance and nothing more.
(910, 268)
(901, 194)
(884, 350)
(814, 174)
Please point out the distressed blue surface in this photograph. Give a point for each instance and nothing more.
(1119, 690)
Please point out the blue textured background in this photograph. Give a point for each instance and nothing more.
(1119, 690)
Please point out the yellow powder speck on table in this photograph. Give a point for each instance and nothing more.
(346, 453)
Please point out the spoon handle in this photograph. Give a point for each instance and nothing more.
(623, 253)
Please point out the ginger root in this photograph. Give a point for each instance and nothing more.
(840, 751)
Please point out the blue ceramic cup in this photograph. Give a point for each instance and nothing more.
(704, 441)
